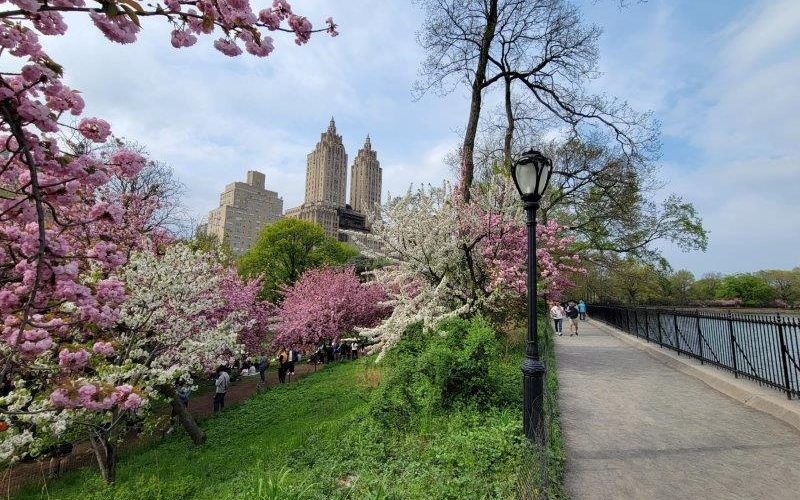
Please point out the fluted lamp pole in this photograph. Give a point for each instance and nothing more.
(531, 174)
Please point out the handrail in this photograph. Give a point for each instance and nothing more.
(765, 349)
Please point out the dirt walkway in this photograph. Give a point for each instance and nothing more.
(638, 429)
(200, 406)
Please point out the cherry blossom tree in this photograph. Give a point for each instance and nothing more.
(450, 257)
(241, 297)
(63, 237)
(325, 304)
(173, 324)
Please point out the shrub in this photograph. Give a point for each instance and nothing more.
(430, 372)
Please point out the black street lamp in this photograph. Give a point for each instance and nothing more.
(531, 175)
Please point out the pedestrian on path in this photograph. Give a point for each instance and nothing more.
(294, 357)
(557, 315)
(582, 310)
(263, 364)
(572, 314)
(283, 365)
(222, 383)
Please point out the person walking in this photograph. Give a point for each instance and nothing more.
(222, 383)
(354, 349)
(293, 358)
(283, 365)
(262, 365)
(557, 314)
(572, 313)
(582, 310)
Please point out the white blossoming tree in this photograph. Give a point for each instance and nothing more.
(447, 257)
(168, 331)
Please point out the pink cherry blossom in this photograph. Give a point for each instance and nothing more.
(326, 304)
(28, 5)
(118, 29)
(301, 27)
(331, 30)
(74, 244)
(73, 360)
(50, 23)
(132, 402)
(105, 349)
(94, 129)
(182, 38)
(129, 162)
(227, 47)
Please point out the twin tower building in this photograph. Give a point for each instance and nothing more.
(246, 207)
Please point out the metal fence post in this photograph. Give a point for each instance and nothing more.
(699, 337)
(660, 339)
(784, 354)
(677, 335)
(647, 324)
(733, 345)
(636, 322)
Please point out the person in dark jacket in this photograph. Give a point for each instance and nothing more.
(283, 365)
(572, 316)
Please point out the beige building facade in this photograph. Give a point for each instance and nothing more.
(366, 180)
(326, 185)
(244, 209)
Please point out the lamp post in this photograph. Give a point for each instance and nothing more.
(531, 175)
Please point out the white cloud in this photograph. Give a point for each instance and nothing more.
(212, 117)
(769, 28)
(722, 81)
(750, 208)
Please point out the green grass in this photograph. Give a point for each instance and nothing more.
(556, 451)
(247, 443)
(318, 438)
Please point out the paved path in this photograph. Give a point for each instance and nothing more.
(638, 429)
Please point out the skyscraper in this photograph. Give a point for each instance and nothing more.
(326, 185)
(326, 169)
(365, 180)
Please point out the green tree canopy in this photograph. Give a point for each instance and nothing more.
(785, 283)
(753, 290)
(286, 249)
(679, 285)
(706, 287)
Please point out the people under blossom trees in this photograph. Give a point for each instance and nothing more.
(450, 257)
(62, 237)
(325, 304)
(178, 317)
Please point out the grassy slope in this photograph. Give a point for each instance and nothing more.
(316, 437)
(245, 444)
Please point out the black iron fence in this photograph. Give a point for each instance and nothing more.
(764, 348)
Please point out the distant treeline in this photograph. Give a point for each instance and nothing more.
(632, 282)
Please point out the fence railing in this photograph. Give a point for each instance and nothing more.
(764, 348)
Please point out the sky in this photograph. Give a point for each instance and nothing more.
(722, 77)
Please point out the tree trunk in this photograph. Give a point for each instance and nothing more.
(105, 453)
(187, 421)
(509, 137)
(468, 149)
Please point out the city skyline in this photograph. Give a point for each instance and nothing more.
(702, 70)
(245, 208)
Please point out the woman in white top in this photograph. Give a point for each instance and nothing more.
(557, 314)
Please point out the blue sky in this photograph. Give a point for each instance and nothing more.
(723, 77)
